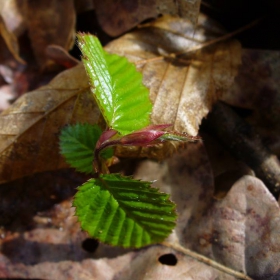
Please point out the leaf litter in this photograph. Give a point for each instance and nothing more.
(205, 224)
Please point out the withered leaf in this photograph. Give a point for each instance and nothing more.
(50, 22)
(183, 88)
(30, 127)
(117, 17)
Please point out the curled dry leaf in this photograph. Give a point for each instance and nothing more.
(30, 127)
(117, 17)
(241, 231)
(183, 88)
(61, 56)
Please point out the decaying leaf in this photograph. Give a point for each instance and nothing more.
(30, 128)
(49, 22)
(183, 88)
(60, 56)
(116, 17)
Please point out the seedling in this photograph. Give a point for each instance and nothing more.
(116, 209)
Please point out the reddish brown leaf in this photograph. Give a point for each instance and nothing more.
(116, 17)
(61, 56)
(50, 22)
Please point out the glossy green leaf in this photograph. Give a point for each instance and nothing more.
(117, 87)
(122, 211)
(77, 144)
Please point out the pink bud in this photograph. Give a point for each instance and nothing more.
(142, 137)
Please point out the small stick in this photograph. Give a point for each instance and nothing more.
(207, 261)
(203, 45)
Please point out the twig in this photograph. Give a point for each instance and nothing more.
(203, 45)
(207, 261)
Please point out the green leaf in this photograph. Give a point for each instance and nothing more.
(117, 87)
(77, 144)
(122, 211)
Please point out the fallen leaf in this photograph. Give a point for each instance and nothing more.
(118, 17)
(61, 56)
(30, 127)
(187, 9)
(183, 89)
(49, 22)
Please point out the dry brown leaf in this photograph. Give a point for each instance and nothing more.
(50, 22)
(183, 90)
(117, 17)
(30, 127)
(187, 9)
(61, 56)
